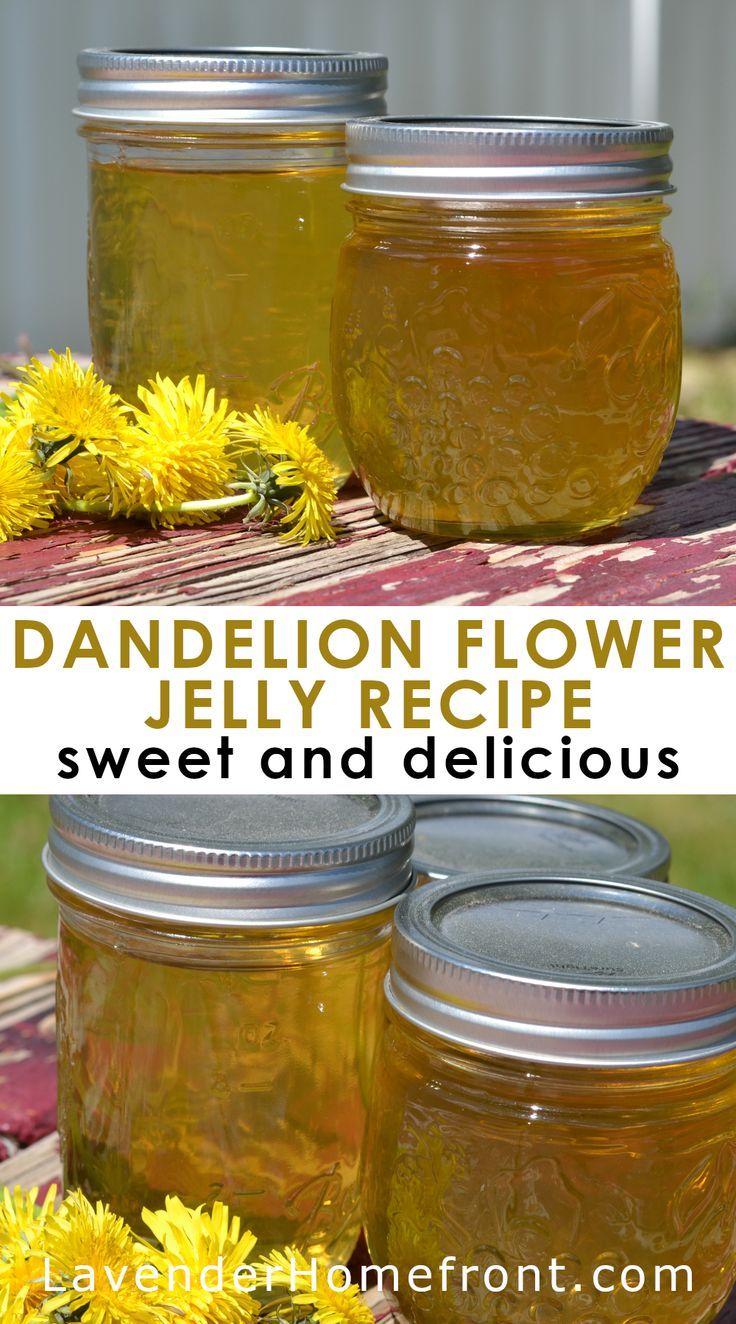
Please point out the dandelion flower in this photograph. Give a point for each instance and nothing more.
(27, 495)
(301, 470)
(180, 447)
(331, 1304)
(22, 1225)
(70, 407)
(195, 1239)
(16, 420)
(83, 1234)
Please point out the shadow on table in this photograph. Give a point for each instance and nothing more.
(728, 1314)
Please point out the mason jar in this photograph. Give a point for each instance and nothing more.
(220, 970)
(506, 331)
(215, 217)
(557, 1087)
(469, 833)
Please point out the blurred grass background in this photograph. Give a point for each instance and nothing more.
(702, 830)
(709, 385)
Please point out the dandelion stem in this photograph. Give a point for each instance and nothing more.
(85, 507)
(215, 503)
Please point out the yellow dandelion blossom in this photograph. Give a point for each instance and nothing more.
(191, 1240)
(301, 470)
(27, 496)
(21, 1217)
(70, 406)
(22, 1226)
(180, 450)
(81, 1234)
(102, 482)
(332, 1305)
(16, 421)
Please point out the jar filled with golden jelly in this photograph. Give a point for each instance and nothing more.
(216, 217)
(554, 1111)
(471, 833)
(221, 964)
(506, 331)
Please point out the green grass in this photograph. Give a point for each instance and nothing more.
(702, 830)
(709, 385)
(24, 898)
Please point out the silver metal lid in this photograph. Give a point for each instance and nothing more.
(505, 159)
(231, 86)
(231, 862)
(469, 834)
(567, 968)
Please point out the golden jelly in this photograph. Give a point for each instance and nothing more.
(216, 217)
(506, 329)
(220, 971)
(557, 1083)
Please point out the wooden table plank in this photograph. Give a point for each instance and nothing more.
(679, 545)
(27, 1042)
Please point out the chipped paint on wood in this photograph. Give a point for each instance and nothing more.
(27, 1041)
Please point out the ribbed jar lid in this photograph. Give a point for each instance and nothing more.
(232, 86)
(469, 834)
(505, 159)
(567, 968)
(231, 861)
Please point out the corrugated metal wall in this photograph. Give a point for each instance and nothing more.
(569, 57)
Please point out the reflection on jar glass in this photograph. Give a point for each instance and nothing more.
(506, 330)
(558, 1082)
(216, 217)
(220, 978)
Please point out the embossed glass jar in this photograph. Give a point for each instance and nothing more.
(459, 834)
(220, 970)
(506, 336)
(216, 217)
(557, 1083)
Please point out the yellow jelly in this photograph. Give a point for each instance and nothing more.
(504, 366)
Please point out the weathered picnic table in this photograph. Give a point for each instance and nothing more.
(678, 546)
(29, 1153)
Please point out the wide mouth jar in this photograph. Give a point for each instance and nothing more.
(570, 969)
(467, 834)
(220, 974)
(557, 1083)
(215, 217)
(506, 331)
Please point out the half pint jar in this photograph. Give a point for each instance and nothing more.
(220, 971)
(471, 833)
(557, 1085)
(216, 217)
(506, 332)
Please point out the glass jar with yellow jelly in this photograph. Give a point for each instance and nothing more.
(554, 1108)
(216, 217)
(221, 964)
(506, 331)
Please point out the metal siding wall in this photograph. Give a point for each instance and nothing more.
(699, 98)
(470, 56)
